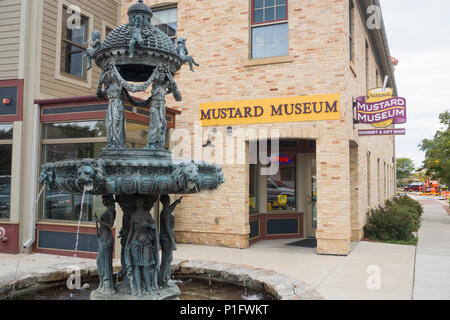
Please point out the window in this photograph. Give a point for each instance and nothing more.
(71, 140)
(270, 34)
(253, 194)
(108, 31)
(79, 140)
(6, 132)
(367, 66)
(281, 195)
(166, 20)
(73, 46)
(351, 27)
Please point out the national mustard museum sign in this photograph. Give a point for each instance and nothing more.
(272, 110)
(381, 110)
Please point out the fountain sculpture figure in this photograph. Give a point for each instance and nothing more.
(135, 178)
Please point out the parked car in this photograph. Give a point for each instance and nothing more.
(277, 188)
(415, 186)
(65, 206)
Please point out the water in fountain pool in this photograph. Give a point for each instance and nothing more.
(191, 289)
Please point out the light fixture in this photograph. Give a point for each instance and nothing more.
(6, 101)
(229, 130)
(208, 143)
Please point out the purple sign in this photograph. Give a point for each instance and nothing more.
(382, 132)
(390, 109)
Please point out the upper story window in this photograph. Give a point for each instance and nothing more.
(269, 27)
(166, 20)
(73, 45)
(108, 30)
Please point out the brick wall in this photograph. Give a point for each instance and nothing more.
(219, 39)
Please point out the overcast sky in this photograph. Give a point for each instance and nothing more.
(419, 37)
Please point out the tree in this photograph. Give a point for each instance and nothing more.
(420, 175)
(405, 168)
(437, 152)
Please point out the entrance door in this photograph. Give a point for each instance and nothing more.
(311, 196)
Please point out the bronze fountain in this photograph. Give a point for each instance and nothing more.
(135, 178)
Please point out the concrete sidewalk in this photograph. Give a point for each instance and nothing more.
(432, 274)
(334, 277)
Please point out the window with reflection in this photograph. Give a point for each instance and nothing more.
(71, 140)
(79, 140)
(269, 30)
(166, 20)
(6, 135)
(67, 206)
(73, 45)
(281, 187)
(137, 135)
(70, 130)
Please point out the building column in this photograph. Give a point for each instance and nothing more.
(356, 227)
(333, 195)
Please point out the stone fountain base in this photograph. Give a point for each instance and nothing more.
(124, 293)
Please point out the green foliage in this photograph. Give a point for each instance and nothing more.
(437, 152)
(405, 168)
(395, 222)
(409, 202)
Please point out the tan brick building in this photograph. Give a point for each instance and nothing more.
(247, 50)
(351, 173)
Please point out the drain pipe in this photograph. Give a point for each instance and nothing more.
(33, 183)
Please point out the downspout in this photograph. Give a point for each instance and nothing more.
(387, 51)
(394, 86)
(33, 200)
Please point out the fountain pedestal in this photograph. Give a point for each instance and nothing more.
(124, 293)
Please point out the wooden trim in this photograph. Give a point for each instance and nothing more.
(259, 229)
(11, 246)
(95, 115)
(61, 223)
(140, 118)
(54, 227)
(74, 140)
(262, 219)
(68, 101)
(19, 83)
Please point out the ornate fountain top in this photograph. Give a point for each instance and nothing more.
(135, 52)
(142, 9)
(137, 47)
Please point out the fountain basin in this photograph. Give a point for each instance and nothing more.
(266, 282)
(130, 172)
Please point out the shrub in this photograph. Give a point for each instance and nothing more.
(396, 221)
(409, 202)
(393, 223)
